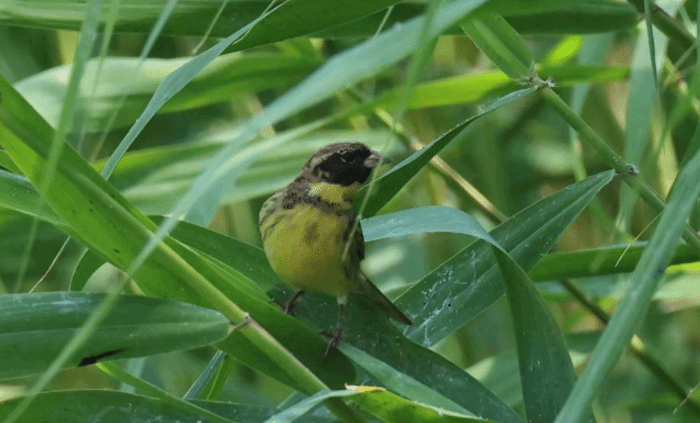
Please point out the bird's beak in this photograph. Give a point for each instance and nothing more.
(375, 159)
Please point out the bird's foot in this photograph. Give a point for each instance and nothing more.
(335, 336)
(287, 308)
(290, 308)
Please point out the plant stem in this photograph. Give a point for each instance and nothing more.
(437, 163)
(588, 135)
(683, 40)
(586, 132)
(261, 338)
(640, 352)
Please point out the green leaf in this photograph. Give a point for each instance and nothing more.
(473, 88)
(88, 264)
(113, 407)
(16, 193)
(240, 257)
(516, 7)
(565, 51)
(99, 217)
(652, 263)
(7, 163)
(297, 18)
(394, 409)
(499, 373)
(640, 108)
(405, 367)
(250, 261)
(33, 327)
(344, 19)
(124, 85)
(422, 220)
(289, 21)
(502, 44)
(608, 260)
(208, 376)
(546, 370)
(127, 378)
(302, 407)
(468, 283)
(581, 17)
(403, 383)
(386, 187)
(118, 407)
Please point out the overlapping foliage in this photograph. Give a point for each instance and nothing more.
(111, 152)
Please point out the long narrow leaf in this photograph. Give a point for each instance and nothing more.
(502, 44)
(100, 218)
(118, 407)
(394, 409)
(646, 275)
(33, 327)
(546, 370)
(390, 183)
(468, 283)
(124, 85)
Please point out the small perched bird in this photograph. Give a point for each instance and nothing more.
(311, 235)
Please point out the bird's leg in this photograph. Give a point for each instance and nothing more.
(336, 335)
(289, 306)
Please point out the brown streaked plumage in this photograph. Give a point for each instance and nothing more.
(310, 234)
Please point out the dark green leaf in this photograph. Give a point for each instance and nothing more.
(17, 193)
(98, 216)
(120, 407)
(546, 371)
(502, 44)
(125, 85)
(33, 327)
(609, 260)
(422, 220)
(468, 283)
(398, 363)
(395, 409)
(581, 17)
(646, 275)
(385, 188)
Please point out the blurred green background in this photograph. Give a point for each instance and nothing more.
(598, 56)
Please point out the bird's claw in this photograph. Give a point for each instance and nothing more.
(335, 336)
(290, 308)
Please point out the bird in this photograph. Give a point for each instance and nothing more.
(311, 234)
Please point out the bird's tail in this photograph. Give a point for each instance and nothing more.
(371, 291)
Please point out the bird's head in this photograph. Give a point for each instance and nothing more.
(344, 163)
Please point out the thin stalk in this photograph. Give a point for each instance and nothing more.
(442, 167)
(261, 338)
(437, 163)
(588, 135)
(644, 357)
(586, 132)
(674, 29)
(647, 359)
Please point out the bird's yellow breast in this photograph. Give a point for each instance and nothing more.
(306, 249)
